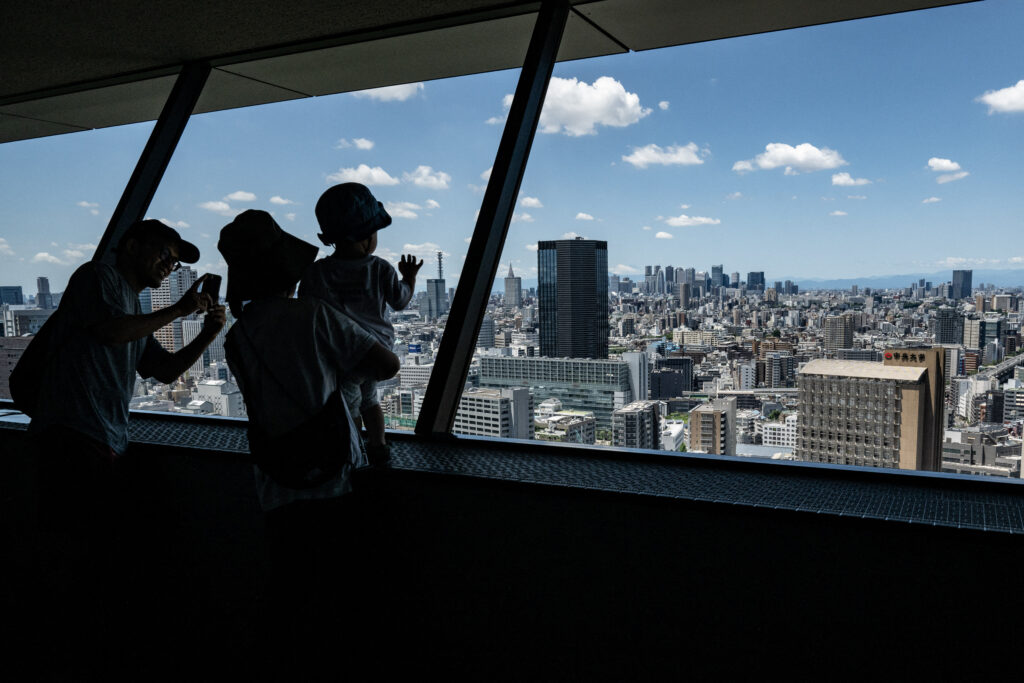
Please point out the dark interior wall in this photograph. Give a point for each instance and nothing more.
(495, 580)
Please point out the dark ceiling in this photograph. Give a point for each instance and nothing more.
(71, 66)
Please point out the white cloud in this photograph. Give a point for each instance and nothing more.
(571, 235)
(684, 221)
(425, 176)
(240, 196)
(622, 269)
(280, 200)
(844, 179)
(172, 224)
(290, 216)
(957, 261)
(681, 155)
(856, 196)
(402, 209)
(5, 248)
(486, 175)
(576, 108)
(943, 165)
(1006, 100)
(362, 143)
(734, 196)
(532, 247)
(663, 105)
(222, 208)
(950, 177)
(684, 206)
(664, 236)
(431, 204)
(522, 217)
(426, 251)
(646, 227)
(91, 206)
(46, 257)
(838, 213)
(391, 93)
(931, 200)
(805, 157)
(363, 174)
(531, 202)
(584, 216)
(342, 144)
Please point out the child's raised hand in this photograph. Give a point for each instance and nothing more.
(408, 266)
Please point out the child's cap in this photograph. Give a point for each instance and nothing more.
(349, 212)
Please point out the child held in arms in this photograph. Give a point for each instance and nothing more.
(360, 284)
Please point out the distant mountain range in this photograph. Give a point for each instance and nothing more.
(999, 278)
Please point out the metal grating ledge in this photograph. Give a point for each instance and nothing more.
(937, 500)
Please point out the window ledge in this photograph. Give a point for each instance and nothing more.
(933, 499)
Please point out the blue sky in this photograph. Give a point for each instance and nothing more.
(881, 146)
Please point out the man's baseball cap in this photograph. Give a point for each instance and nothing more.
(150, 230)
(349, 212)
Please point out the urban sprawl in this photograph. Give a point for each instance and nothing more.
(921, 377)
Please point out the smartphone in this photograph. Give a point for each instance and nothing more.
(211, 286)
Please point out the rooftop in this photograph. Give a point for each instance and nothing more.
(863, 369)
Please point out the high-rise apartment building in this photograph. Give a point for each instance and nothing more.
(713, 427)
(637, 425)
(962, 284)
(573, 298)
(838, 333)
(513, 290)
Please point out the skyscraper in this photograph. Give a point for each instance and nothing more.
(948, 326)
(168, 293)
(44, 299)
(573, 297)
(11, 295)
(962, 283)
(755, 280)
(437, 296)
(716, 276)
(513, 290)
(639, 373)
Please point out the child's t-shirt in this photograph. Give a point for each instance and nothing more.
(361, 289)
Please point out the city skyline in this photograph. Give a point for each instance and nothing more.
(763, 153)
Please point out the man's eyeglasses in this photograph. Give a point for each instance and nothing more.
(167, 257)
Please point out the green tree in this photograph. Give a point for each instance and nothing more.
(776, 333)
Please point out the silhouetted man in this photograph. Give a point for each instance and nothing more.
(80, 427)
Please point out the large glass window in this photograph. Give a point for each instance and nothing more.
(423, 149)
(56, 197)
(772, 208)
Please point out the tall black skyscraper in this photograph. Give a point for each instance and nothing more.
(755, 280)
(43, 297)
(962, 285)
(572, 292)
